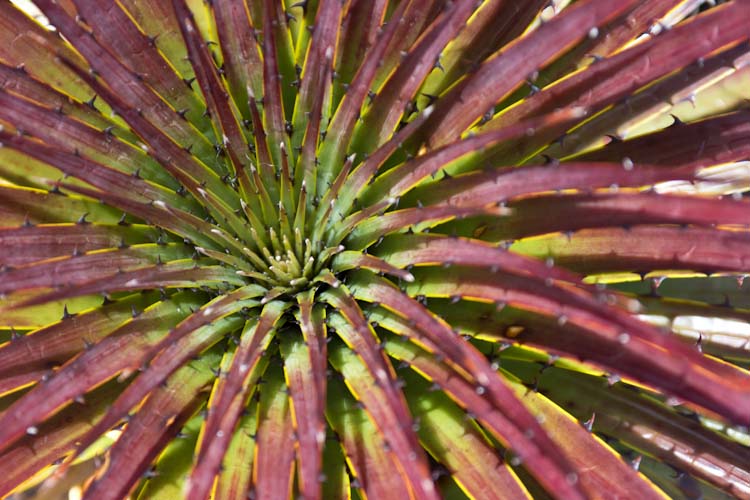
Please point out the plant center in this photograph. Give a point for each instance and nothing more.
(285, 258)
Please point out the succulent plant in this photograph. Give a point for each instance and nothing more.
(376, 249)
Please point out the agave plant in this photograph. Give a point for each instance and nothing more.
(376, 249)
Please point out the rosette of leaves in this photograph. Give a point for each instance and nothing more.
(339, 249)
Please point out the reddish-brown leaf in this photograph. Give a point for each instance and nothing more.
(471, 98)
(373, 467)
(31, 356)
(369, 227)
(26, 44)
(399, 180)
(218, 102)
(355, 260)
(305, 367)
(122, 352)
(123, 82)
(622, 342)
(342, 123)
(242, 64)
(660, 97)
(646, 248)
(703, 143)
(358, 32)
(70, 271)
(496, 23)
(155, 424)
(20, 205)
(555, 213)
(190, 337)
(96, 174)
(644, 424)
(386, 109)
(518, 427)
(116, 31)
(273, 467)
(54, 438)
(624, 73)
(228, 400)
(383, 400)
(436, 250)
(27, 244)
